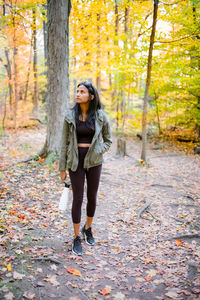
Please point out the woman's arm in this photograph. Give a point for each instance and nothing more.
(64, 145)
(106, 134)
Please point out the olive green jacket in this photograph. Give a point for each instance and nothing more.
(101, 142)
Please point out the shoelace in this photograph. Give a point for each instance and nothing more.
(77, 240)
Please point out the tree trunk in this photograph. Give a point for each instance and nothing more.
(45, 34)
(35, 72)
(58, 78)
(15, 69)
(121, 147)
(28, 72)
(115, 97)
(8, 68)
(98, 78)
(197, 36)
(158, 117)
(144, 115)
(45, 48)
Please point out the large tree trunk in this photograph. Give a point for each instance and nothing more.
(144, 116)
(58, 79)
(35, 71)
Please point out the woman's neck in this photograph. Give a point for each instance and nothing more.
(84, 110)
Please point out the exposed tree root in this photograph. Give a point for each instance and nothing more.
(144, 208)
(186, 236)
(161, 185)
(156, 219)
(194, 265)
(47, 259)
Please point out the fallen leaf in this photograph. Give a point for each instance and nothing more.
(179, 242)
(140, 279)
(9, 267)
(52, 279)
(9, 296)
(148, 278)
(104, 292)
(17, 275)
(77, 273)
(119, 296)
(172, 295)
(41, 160)
(151, 272)
(26, 249)
(73, 271)
(70, 270)
(29, 295)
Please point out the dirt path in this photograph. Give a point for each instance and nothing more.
(154, 256)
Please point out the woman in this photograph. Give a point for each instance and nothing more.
(86, 136)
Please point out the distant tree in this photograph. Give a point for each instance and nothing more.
(148, 79)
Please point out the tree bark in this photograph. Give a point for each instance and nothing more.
(98, 78)
(28, 72)
(8, 68)
(45, 48)
(158, 116)
(149, 66)
(35, 72)
(198, 65)
(15, 77)
(115, 100)
(58, 78)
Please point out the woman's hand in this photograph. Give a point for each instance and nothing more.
(63, 175)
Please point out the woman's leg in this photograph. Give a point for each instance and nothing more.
(77, 180)
(93, 177)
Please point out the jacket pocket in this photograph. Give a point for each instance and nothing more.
(96, 157)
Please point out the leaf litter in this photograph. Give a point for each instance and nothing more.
(154, 256)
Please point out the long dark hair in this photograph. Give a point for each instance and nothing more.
(94, 105)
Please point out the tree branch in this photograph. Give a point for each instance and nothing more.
(171, 3)
(183, 38)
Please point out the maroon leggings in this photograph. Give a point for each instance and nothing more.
(77, 180)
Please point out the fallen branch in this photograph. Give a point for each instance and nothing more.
(179, 220)
(47, 259)
(27, 159)
(144, 208)
(184, 236)
(162, 185)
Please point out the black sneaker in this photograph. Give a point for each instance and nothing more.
(87, 233)
(76, 246)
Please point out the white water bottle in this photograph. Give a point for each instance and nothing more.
(64, 197)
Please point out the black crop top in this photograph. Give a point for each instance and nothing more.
(84, 133)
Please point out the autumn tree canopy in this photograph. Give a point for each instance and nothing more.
(108, 44)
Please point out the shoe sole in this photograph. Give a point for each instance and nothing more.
(79, 254)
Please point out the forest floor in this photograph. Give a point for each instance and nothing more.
(149, 254)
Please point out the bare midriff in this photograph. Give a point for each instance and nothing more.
(84, 145)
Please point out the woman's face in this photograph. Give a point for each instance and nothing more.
(82, 95)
